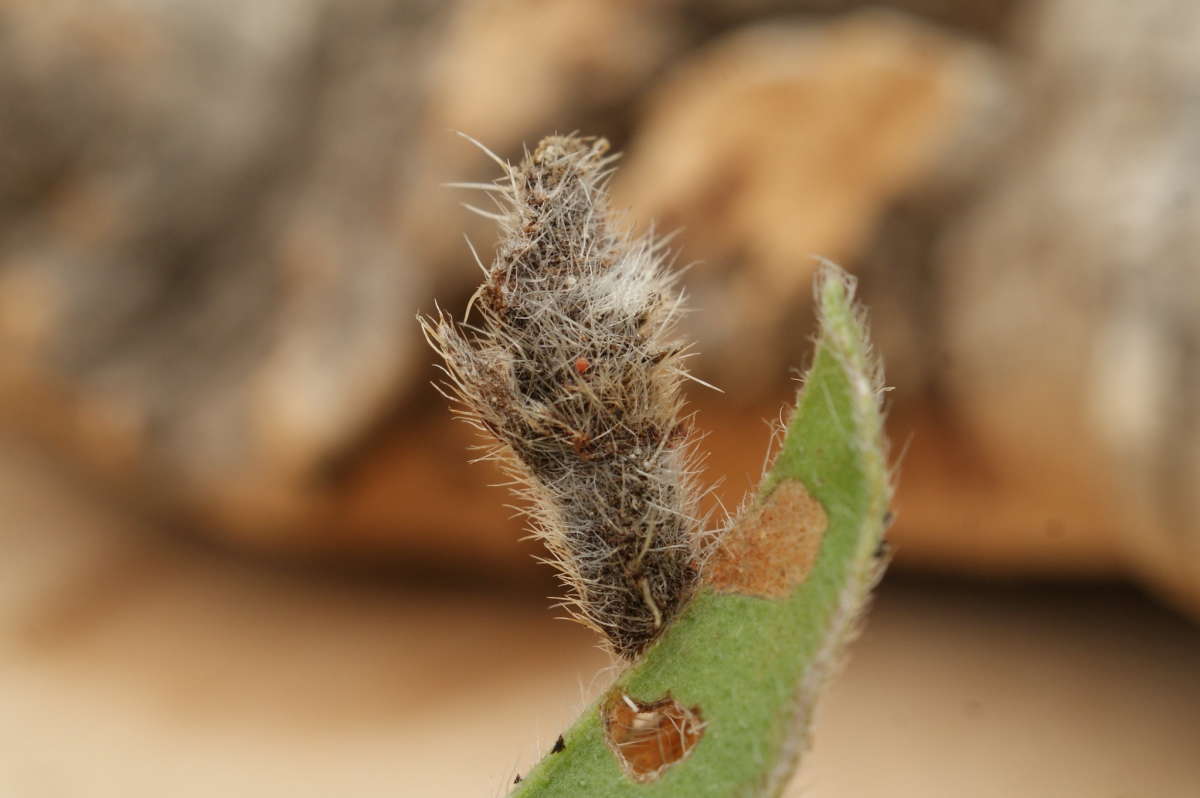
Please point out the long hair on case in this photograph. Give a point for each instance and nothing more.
(572, 371)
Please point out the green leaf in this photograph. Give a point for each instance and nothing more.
(754, 666)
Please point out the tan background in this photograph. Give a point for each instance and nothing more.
(138, 664)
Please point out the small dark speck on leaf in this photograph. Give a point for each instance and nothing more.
(560, 745)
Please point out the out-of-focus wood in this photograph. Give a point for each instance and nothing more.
(219, 221)
(204, 293)
(789, 140)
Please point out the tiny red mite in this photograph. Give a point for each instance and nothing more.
(582, 365)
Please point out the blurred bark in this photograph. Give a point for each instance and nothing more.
(202, 282)
(218, 220)
(1070, 291)
(811, 133)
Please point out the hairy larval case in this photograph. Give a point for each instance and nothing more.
(571, 367)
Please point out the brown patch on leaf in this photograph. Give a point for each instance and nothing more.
(649, 738)
(771, 548)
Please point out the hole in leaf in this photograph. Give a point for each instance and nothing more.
(650, 737)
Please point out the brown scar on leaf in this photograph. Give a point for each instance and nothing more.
(650, 737)
(771, 548)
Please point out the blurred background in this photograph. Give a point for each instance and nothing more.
(243, 552)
